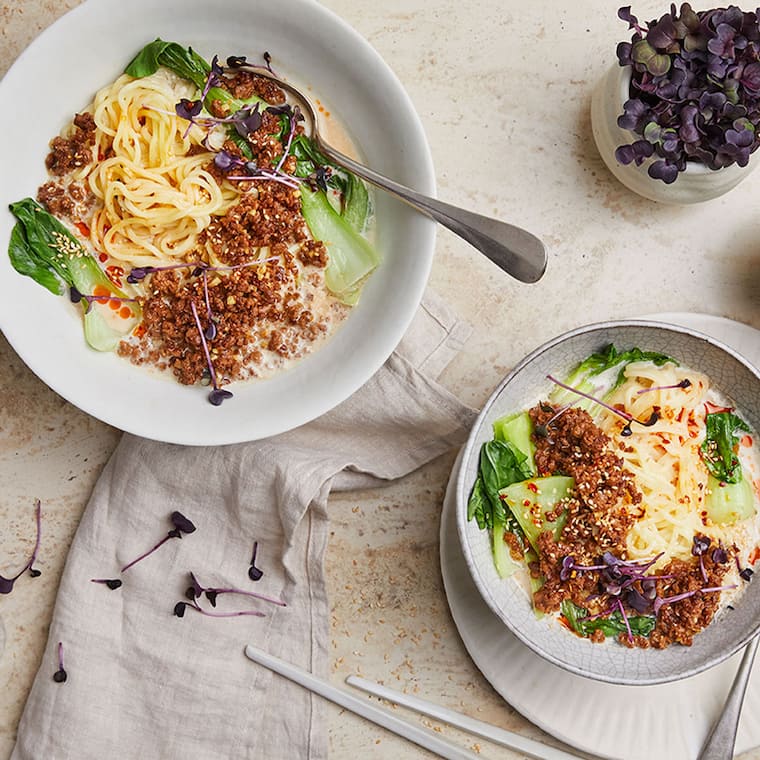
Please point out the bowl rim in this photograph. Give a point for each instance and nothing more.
(463, 487)
(152, 404)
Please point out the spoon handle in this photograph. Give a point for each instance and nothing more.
(722, 737)
(516, 251)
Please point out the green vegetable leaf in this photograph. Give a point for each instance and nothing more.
(351, 257)
(184, 62)
(719, 444)
(25, 262)
(611, 625)
(501, 464)
(39, 244)
(146, 62)
(478, 505)
(355, 203)
(597, 363)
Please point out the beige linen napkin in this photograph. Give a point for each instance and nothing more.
(143, 683)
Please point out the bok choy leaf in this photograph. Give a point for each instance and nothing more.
(45, 250)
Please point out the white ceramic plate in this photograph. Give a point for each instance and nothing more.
(623, 722)
(609, 661)
(88, 48)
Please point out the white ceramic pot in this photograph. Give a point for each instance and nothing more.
(696, 184)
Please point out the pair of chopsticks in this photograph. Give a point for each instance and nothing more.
(420, 736)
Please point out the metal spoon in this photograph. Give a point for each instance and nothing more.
(720, 742)
(516, 251)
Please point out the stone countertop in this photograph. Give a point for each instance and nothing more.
(503, 89)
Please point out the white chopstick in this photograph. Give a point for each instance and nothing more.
(362, 707)
(505, 738)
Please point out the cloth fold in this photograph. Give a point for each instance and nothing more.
(143, 682)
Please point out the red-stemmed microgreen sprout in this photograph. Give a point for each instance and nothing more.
(195, 590)
(6, 584)
(181, 526)
(112, 583)
(217, 395)
(626, 431)
(180, 607)
(543, 430)
(255, 573)
(238, 61)
(685, 383)
(60, 675)
(699, 547)
(660, 601)
(264, 175)
(210, 331)
(75, 296)
(198, 267)
(625, 619)
(745, 573)
(293, 118)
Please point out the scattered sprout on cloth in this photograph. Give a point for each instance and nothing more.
(181, 525)
(60, 675)
(255, 573)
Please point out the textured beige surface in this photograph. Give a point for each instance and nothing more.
(503, 89)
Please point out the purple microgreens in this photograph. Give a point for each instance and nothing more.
(745, 573)
(75, 296)
(112, 583)
(180, 607)
(181, 525)
(293, 120)
(196, 590)
(694, 89)
(700, 546)
(188, 109)
(625, 619)
(268, 176)
(210, 331)
(320, 178)
(213, 79)
(198, 267)
(217, 395)
(719, 555)
(236, 61)
(245, 120)
(254, 573)
(239, 61)
(660, 600)
(626, 431)
(569, 566)
(685, 383)
(543, 430)
(6, 584)
(60, 675)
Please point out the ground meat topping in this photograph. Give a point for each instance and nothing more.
(599, 513)
(69, 153)
(246, 84)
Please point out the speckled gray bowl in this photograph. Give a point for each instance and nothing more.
(525, 386)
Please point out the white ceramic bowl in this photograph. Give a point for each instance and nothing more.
(524, 387)
(89, 47)
(696, 184)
